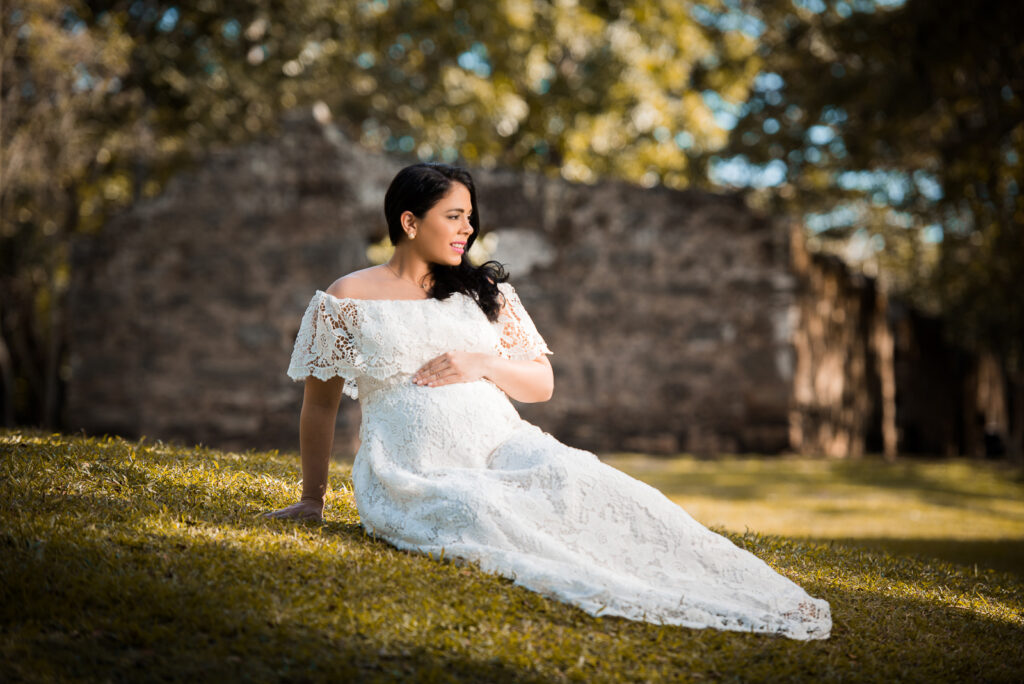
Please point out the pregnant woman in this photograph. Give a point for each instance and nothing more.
(433, 348)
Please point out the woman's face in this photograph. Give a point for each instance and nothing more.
(441, 235)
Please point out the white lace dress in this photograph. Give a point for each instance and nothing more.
(454, 469)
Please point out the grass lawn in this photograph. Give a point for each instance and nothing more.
(960, 511)
(131, 561)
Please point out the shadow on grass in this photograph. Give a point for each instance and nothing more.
(88, 615)
(1003, 555)
(99, 608)
(759, 485)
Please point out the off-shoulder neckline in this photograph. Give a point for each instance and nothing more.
(355, 299)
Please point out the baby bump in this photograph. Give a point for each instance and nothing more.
(455, 425)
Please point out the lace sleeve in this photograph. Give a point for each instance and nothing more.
(327, 343)
(517, 335)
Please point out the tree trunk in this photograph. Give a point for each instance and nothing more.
(6, 380)
(973, 444)
(1015, 431)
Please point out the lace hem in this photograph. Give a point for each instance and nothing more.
(327, 345)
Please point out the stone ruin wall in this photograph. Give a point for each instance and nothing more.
(670, 314)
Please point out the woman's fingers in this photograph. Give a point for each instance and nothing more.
(450, 367)
(432, 370)
(440, 376)
(428, 369)
(445, 369)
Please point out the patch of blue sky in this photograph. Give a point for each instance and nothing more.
(231, 30)
(848, 7)
(715, 101)
(725, 120)
(475, 59)
(768, 80)
(837, 148)
(891, 187)
(684, 140)
(738, 171)
(733, 19)
(816, 6)
(897, 186)
(832, 115)
(73, 24)
(820, 135)
(932, 233)
(884, 186)
(927, 185)
(845, 214)
(83, 79)
(168, 20)
(726, 113)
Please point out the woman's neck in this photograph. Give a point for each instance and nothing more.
(410, 266)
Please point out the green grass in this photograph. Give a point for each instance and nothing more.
(129, 561)
(961, 511)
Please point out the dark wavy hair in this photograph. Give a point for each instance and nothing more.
(419, 187)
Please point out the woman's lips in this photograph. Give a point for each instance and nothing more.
(459, 247)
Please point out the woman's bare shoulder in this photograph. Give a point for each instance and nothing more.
(356, 285)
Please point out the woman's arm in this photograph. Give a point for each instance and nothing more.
(526, 381)
(316, 437)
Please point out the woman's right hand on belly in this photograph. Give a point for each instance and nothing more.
(299, 511)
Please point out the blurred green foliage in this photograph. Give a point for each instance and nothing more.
(903, 128)
(103, 101)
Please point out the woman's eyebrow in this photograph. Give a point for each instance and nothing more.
(457, 209)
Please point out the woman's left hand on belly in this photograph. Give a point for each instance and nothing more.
(452, 367)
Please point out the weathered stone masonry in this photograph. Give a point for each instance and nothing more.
(679, 321)
(669, 313)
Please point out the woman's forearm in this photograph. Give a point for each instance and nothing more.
(526, 381)
(316, 437)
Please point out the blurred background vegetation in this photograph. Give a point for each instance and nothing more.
(893, 130)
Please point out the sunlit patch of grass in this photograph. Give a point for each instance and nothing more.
(126, 560)
(965, 511)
